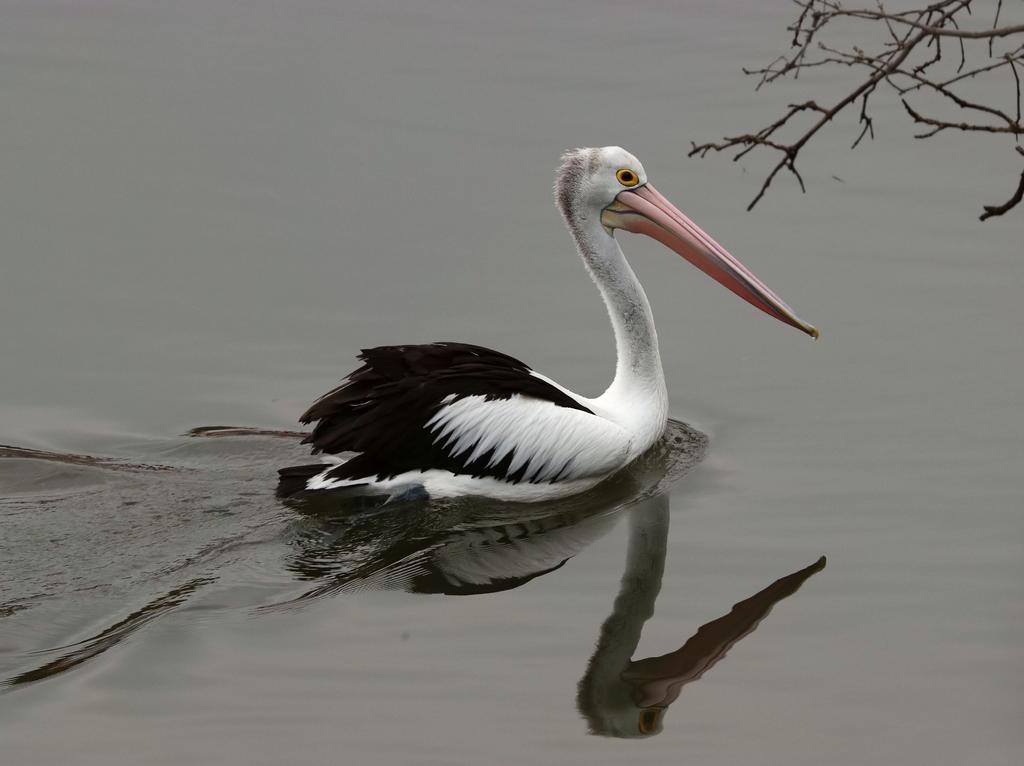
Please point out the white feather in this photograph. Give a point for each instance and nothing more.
(437, 484)
(548, 439)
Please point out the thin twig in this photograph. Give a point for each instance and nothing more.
(937, 31)
(964, 126)
(994, 210)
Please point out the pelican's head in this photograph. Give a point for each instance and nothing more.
(609, 186)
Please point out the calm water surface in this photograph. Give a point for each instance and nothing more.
(207, 208)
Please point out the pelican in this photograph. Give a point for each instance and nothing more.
(453, 419)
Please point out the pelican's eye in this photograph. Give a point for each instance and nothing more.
(627, 177)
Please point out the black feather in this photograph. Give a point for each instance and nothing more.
(292, 480)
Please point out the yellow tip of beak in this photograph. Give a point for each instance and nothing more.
(807, 328)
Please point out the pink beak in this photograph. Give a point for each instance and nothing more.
(644, 210)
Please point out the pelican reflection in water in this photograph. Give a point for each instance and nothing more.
(485, 548)
(623, 697)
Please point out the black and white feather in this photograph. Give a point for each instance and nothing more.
(451, 416)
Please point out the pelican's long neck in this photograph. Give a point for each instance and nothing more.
(638, 389)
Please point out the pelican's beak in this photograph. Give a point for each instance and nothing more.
(644, 210)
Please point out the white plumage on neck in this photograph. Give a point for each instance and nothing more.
(637, 398)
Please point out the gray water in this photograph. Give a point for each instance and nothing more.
(208, 208)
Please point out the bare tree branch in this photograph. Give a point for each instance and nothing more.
(965, 126)
(909, 61)
(994, 210)
(940, 31)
